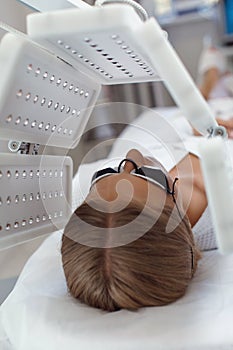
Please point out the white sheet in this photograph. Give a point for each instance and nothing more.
(202, 319)
(41, 315)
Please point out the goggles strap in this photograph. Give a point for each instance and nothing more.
(127, 160)
(173, 186)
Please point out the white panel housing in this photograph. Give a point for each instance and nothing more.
(42, 99)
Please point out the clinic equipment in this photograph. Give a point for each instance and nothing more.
(51, 81)
(44, 101)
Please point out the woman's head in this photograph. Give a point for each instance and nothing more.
(116, 249)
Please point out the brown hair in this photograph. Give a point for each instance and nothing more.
(152, 270)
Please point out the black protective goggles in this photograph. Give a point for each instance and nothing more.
(152, 174)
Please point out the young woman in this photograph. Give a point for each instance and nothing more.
(136, 239)
(130, 244)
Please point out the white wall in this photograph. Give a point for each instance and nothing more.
(13, 12)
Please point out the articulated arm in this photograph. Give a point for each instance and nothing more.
(136, 40)
(178, 81)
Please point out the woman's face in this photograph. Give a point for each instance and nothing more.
(125, 185)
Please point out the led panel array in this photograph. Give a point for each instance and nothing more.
(43, 99)
(102, 41)
(35, 196)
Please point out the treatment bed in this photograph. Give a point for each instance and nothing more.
(41, 315)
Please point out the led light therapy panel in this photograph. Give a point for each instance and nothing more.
(102, 41)
(35, 196)
(43, 99)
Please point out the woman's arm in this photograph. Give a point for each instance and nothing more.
(210, 79)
